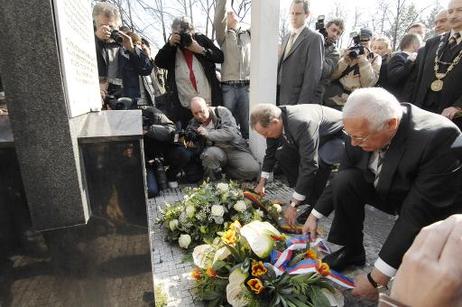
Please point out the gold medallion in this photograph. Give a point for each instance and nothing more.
(437, 85)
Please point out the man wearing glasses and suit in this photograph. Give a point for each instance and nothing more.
(398, 159)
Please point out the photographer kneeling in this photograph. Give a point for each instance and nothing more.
(224, 146)
(358, 67)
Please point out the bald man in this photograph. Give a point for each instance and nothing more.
(225, 148)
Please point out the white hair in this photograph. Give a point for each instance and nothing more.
(374, 104)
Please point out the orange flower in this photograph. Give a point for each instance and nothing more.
(258, 269)
(322, 268)
(196, 274)
(211, 272)
(255, 285)
(229, 237)
(311, 254)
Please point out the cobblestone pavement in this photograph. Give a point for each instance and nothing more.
(172, 274)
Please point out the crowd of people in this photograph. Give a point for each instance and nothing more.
(387, 118)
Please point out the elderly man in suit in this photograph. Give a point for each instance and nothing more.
(306, 140)
(439, 67)
(301, 60)
(399, 160)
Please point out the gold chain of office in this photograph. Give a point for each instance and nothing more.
(437, 85)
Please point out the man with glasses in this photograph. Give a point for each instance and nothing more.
(398, 159)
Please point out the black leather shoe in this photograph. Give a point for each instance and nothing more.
(345, 257)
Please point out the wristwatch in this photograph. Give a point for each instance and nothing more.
(379, 287)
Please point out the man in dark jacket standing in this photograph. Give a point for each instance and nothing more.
(190, 59)
(119, 63)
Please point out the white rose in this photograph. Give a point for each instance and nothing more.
(260, 213)
(184, 241)
(240, 206)
(218, 219)
(277, 207)
(218, 210)
(190, 210)
(222, 187)
(173, 224)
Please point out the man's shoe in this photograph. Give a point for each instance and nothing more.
(345, 257)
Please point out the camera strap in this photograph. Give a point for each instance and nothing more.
(347, 71)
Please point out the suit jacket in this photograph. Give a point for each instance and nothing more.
(399, 71)
(451, 94)
(299, 73)
(420, 177)
(305, 128)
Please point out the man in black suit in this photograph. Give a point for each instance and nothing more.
(301, 59)
(440, 69)
(306, 140)
(399, 160)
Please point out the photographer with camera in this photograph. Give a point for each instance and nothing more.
(190, 59)
(358, 67)
(163, 147)
(120, 62)
(331, 32)
(224, 147)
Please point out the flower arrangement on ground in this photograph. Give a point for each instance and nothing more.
(256, 265)
(208, 209)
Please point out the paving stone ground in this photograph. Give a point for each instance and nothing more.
(172, 274)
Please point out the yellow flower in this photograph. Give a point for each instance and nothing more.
(235, 226)
(255, 285)
(196, 274)
(229, 237)
(311, 254)
(258, 269)
(211, 272)
(322, 268)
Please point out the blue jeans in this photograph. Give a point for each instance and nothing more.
(236, 99)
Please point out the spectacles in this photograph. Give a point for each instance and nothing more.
(357, 139)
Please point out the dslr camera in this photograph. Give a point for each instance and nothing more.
(321, 27)
(115, 35)
(357, 49)
(185, 35)
(122, 103)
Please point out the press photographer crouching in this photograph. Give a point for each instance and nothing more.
(358, 67)
(120, 62)
(164, 148)
(224, 149)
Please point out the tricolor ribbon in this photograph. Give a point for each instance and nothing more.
(279, 260)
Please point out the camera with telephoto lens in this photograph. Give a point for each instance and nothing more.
(357, 49)
(116, 36)
(321, 27)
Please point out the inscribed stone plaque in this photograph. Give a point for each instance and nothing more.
(76, 44)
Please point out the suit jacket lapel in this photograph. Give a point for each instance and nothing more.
(393, 155)
(285, 40)
(297, 42)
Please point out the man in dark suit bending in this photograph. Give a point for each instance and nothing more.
(306, 140)
(398, 159)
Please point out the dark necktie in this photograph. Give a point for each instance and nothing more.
(453, 40)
